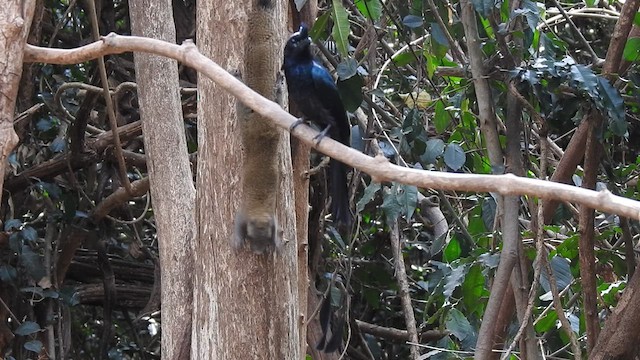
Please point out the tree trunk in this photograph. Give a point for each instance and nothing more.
(172, 189)
(300, 161)
(15, 22)
(246, 305)
(619, 338)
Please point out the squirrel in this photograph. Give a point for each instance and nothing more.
(256, 221)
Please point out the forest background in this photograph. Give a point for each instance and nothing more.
(447, 258)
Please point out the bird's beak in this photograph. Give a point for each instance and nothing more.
(302, 33)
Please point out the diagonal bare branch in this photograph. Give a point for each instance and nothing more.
(378, 167)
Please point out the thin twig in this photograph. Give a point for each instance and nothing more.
(566, 326)
(28, 113)
(13, 316)
(122, 166)
(403, 285)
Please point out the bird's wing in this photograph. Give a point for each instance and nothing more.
(324, 85)
(327, 93)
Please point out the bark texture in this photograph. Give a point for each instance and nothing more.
(619, 338)
(172, 190)
(246, 306)
(300, 161)
(15, 21)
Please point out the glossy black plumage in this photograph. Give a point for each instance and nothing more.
(312, 89)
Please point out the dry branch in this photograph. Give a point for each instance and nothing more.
(96, 148)
(398, 334)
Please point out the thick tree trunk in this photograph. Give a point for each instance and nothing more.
(619, 338)
(246, 305)
(15, 22)
(172, 189)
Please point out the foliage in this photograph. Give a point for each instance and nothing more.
(395, 62)
(431, 121)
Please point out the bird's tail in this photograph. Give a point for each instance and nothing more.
(339, 192)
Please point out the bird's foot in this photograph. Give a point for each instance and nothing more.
(296, 124)
(321, 135)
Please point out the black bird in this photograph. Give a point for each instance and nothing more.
(312, 89)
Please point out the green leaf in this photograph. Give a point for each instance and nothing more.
(336, 296)
(369, 194)
(483, 7)
(351, 92)
(438, 244)
(414, 135)
(441, 117)
(613, 105)
(340, 30)
(49, 189)
(27, 328)
(335, 235)
(552, 45)
(33, 345)
(432, 63)
(408, 198)
(69, 296)
(404, 59)
(387, 149)
(438, 35)
(488, 212)
(489, 261)
(531, 12)
(44, 124)
(438, 50)
(357, 138)
(390, 204)
(636, 19)
(452, 251)
(610, 293)
(371, 9)
(584, 79)
(29, 233)
(7, 273)
(454, 156)
(546, 323)
(568, 248)
(473, 288)
(12, 224)
(458, 325)
(454, 279)
(412, 21)
(476, 224)
(58, 145)
(347, 69)
(435, 148)
(372, 297)
(561, 272)
(318, 31)
(32, 263)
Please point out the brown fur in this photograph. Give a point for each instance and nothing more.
(256, 219)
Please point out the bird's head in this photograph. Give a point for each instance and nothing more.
(298, 44)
